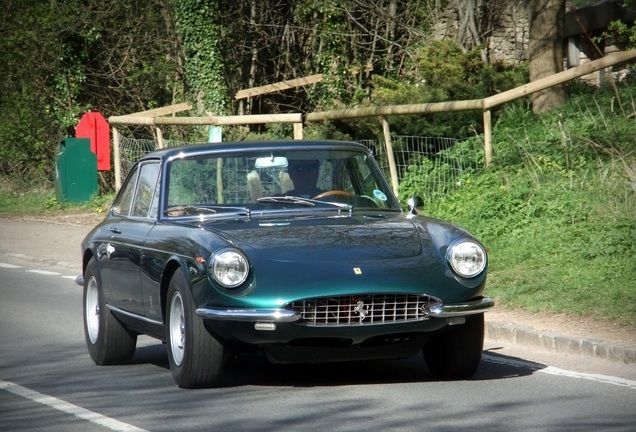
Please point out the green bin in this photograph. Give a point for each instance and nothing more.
(75, 171)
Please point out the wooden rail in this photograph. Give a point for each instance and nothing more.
(152, 117)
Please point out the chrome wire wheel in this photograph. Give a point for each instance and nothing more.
(177, 328)
(92, 310)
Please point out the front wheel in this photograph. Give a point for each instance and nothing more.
(456, 354)
(195, 356)
(107, 340)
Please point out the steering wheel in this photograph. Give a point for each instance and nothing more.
(333, 192)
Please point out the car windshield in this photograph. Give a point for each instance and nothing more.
(298, 179)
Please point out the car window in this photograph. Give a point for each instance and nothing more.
(146, 188)
(208, 180)
(124, 199)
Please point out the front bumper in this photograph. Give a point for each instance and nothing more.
(288, 316)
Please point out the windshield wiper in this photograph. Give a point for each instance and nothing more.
(307, 202)
(189, 209)
(287, 200)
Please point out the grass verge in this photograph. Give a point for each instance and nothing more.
(557, 210)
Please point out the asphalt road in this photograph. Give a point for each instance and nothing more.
(49, 383)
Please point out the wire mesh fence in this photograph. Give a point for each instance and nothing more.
(431, 164)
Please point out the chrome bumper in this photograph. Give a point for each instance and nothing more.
(286, 315)
(462, 309)
(250, 315)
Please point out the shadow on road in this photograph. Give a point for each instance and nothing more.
(257, 371)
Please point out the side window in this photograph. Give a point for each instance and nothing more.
(147, 186)
(124, 201)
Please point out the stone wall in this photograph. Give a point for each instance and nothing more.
(506, 31)
(509, 38)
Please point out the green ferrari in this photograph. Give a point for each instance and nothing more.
(294, 250)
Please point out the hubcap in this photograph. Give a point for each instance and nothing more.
(92, 310)
(177, 329)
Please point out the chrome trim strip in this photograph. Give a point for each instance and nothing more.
(132, 315)
(250, 315)
(460, 309)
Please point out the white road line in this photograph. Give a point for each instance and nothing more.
(605, 379)
(68, 408)
(44, 272)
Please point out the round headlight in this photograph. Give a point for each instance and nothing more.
(229, 268)
(467, 258)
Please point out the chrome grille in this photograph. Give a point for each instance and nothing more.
(353, 310)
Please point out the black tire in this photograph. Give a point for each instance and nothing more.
(196, 358)
(456, 354)
(107, 340)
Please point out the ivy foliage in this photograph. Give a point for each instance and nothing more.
(198, 22)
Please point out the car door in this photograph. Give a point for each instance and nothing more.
(137, 211)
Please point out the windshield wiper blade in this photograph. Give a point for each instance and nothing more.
(287, 200)
(307, 202)
(188, 209)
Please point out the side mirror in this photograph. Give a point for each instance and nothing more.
(415, 204)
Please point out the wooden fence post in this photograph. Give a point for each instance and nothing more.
(487, 137)
(389, 154)
(117, 157)
(160, 143)
(298, 131)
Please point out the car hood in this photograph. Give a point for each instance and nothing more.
(326, 238)
(299, 258)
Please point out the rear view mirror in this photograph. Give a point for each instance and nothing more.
(271, 162)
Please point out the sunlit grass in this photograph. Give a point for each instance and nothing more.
(38, 200)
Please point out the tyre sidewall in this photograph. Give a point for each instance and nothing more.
(114, 343)
(202, 362)
(180, 372)
(97, 349)
(456, 354)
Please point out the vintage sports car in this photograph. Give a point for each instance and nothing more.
(295, 250)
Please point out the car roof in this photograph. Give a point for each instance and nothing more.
(238, 146)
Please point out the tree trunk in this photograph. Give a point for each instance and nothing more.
(251, 81)
(547, 18)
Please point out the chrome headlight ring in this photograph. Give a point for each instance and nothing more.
(467, 258)
(228, 267)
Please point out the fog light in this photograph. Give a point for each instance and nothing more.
(456, 320)
(265, 326)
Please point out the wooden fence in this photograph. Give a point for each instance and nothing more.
(154, 117)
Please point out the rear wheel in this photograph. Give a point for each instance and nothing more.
(107, 340)
(456, 354)
(195, 356)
